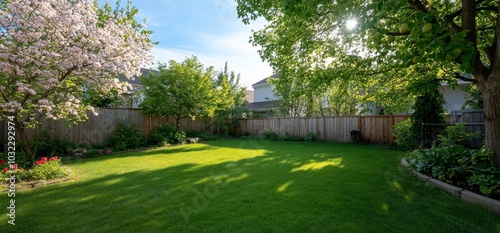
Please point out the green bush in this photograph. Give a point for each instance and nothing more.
(487, 181)
(271, 136)
(126, 137)
(403, 135)
(457, 165)
(312, 136)
(44, 145)
(457, 135)
(22, 159)
(448, 163)
(167, 134)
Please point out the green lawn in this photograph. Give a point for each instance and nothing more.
(245, 186)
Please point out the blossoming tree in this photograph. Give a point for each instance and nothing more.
(52, 50)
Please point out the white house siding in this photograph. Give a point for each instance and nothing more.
(454, 98)
(263, 93)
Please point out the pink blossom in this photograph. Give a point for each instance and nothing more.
(48, 42)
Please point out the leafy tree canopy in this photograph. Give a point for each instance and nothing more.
(181, 90)
(398, 46)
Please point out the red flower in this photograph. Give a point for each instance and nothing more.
(15, 166)
(43, 159)
(37, 163)
(54, 158)
(5, 169)
(2, 162)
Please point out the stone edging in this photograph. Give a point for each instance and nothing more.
(465, 195)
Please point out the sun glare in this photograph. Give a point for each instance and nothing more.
(351, 24)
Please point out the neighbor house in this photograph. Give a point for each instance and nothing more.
(263, 97)
(454, 96)
(264, 101)
(132, 98)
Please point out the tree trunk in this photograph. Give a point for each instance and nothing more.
(24, 139)
(490, 89)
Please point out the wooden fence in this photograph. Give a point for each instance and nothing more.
(97, 129)
(374, 129)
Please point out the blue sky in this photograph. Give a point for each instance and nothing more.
(208, 29)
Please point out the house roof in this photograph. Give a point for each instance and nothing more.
(261, 105)
(137, 80)
(264, 81)
(249, 94)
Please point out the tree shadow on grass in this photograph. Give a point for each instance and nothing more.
(315, 187)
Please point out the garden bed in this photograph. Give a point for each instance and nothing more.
(39, 183)
(465, 195)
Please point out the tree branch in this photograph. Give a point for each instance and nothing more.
(486, 28)
(417, 5)
(461, 77)
(486, 8)
(449, 19)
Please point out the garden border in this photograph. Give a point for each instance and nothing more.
(40, 183)
(465, 195)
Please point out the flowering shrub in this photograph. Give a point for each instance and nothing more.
(48, 169)
(7, 166)
(43, 169)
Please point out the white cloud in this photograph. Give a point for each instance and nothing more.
(216, 49)
(209, 30)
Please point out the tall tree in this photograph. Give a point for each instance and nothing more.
(52, 49)
(428, 109)
(231, 96)
(406, 40)
(180, 90)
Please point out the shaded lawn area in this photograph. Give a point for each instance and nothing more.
(245, 186)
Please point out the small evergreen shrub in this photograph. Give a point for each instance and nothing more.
(271, 136)
(126, 137)
(167, 134)
(312, 136)
(428, 109)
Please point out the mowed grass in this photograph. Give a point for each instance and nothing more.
(245, 186)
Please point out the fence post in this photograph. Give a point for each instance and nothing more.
(423, 135)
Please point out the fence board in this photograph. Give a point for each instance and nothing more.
(374, 129)
(97, 129)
